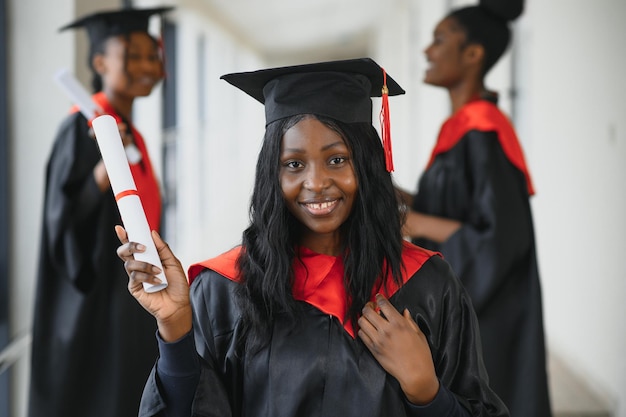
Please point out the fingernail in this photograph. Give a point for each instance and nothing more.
(141, 247)
(156, 269)
(157, 281)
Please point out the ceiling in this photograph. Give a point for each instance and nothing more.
(287, 29)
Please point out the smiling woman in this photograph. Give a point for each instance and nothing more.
(129, 67)
(323, 310)
(318, 182)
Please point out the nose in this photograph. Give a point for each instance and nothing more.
(426, 51)
(317, 178)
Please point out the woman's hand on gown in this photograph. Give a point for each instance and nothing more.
(401, 348)
(170, 306)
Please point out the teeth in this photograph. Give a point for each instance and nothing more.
(320, 206)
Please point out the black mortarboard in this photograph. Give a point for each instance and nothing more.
(341, 90)
(337, 89)
(103, 25)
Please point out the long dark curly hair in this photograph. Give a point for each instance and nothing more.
(371, 236)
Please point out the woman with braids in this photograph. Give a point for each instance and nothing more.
(473, 206)
(323, 310)
(92, 346)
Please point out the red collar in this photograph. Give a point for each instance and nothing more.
(319, 278)
(484, 116)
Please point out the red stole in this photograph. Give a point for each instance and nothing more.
(143, 175)
(484, 116)
(319, 278)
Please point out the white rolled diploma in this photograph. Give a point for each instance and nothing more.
(77, 93)
(125, 191)
(87, 107)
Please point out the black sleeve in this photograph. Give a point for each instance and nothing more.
(182, 385)
(190, 377)
(216, 324)
(72, 201)
(178, 372)
(172, 381)
(444, 404)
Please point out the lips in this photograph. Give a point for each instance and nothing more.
(146, 81)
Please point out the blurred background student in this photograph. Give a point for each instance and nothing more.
(472, 204)
(92, 344)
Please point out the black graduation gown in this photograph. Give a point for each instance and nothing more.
(493, 254)
(93, 344)
(316, 369)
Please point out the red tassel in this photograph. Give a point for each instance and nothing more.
(385, 125)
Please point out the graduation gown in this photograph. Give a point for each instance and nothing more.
(318, 367)
(477, 175)
(93, 344)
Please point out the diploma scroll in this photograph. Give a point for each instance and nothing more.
(125, 191)
(81, 98)
(77, 93)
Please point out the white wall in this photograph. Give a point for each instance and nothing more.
(574, 114)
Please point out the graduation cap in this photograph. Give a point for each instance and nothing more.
(103, 25)
(341, 90)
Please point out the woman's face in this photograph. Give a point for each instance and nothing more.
(445, 55)
(130, 66)
(318, 182)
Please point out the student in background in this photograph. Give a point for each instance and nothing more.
(92, 344)
(472, 204)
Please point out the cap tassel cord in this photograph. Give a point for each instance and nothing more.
(385, 125)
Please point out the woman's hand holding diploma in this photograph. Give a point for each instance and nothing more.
(142, 257)
(171, 306)
(125, 191)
